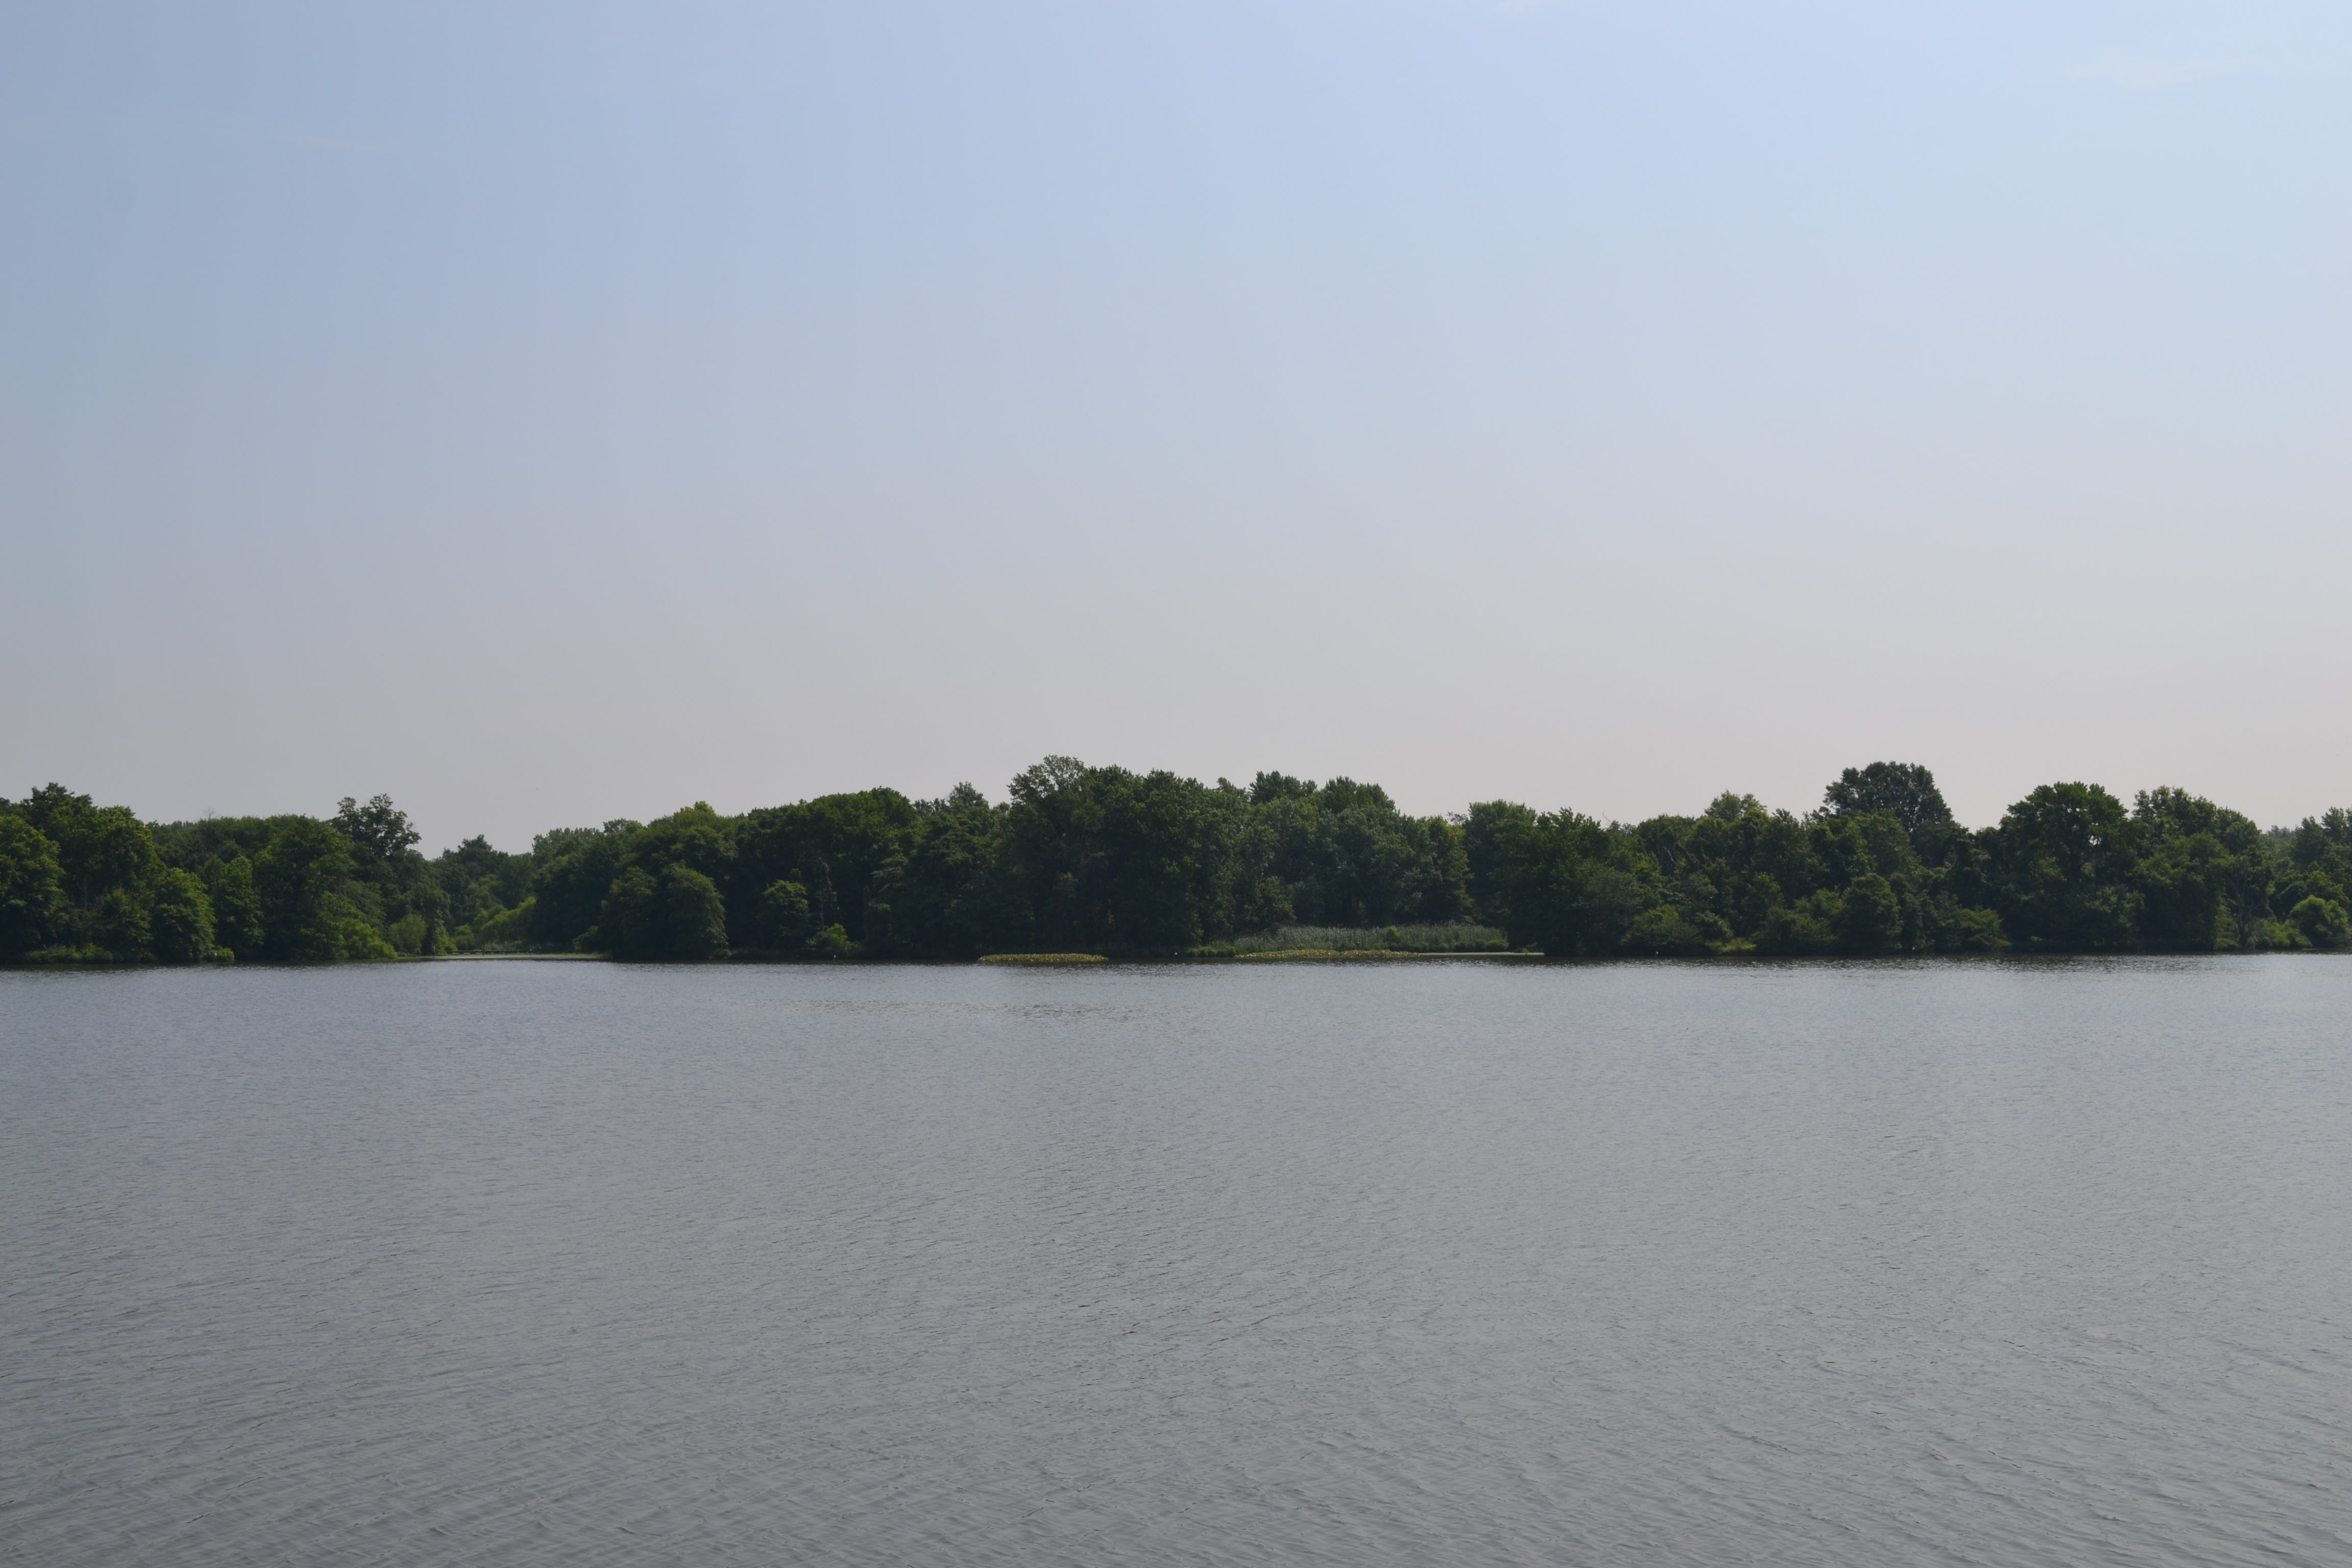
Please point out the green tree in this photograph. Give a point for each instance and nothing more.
(572, 881)
(697, 837)
(32, 887)
(181, 921)
(632, 925)
(1744, 862)
(678, 914)
(1144, 863)
(2062, 866)
(479, 882)
(237, 923)
(696, 914)
(121, 926)
(1754, 897)
(784, 921)
(831, 846)
(2203, 874)
(303, 920)
(2319, 855)
(1904, 791)
(652, 912)
(2182, 884)
(378, 833)
(943, 896)
(1973, 931)
(1806, 927)
(1489, 830)
(101, 851)
(390, 883)
(1052, 822)
(1870, 920)
(1577, 888)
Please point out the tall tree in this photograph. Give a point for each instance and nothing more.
(32, 887)
(1905, 791)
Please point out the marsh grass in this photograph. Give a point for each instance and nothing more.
(1341, 941)
(1323, 955)
(1044, 958)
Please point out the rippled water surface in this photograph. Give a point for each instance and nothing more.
(1446, 1263)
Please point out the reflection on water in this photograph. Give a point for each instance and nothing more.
(1467, 1262)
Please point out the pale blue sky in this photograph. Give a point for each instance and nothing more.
(544, 413)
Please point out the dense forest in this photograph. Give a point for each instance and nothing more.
(1103, 860)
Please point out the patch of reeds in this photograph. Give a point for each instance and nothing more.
(1304, 954)
(1044, 958)
(1371, 939)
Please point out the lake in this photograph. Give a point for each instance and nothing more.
(1460, 1262)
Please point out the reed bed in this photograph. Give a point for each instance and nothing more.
(1324, 955)
(1044, 958)
(1370, 939)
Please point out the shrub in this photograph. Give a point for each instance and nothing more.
(1666, 932)
(2281, 935)
(833, 941)
(2322, 923)
(350, 934)
(1806, 927)
(508, 930)
(408, 934)
(1977, 931)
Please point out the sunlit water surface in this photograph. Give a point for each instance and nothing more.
(1448, 1263)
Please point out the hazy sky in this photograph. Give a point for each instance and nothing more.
(544, 413)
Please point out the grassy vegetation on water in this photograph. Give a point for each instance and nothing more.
(1308, 954)
(1345, 940)
(1043, 958)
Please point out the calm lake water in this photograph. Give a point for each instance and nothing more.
(1456, 1262)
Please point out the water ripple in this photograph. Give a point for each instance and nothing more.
(1941, 1263)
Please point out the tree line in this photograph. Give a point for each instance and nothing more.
(1102, 859)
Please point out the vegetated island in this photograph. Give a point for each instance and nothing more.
(1083, 862)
